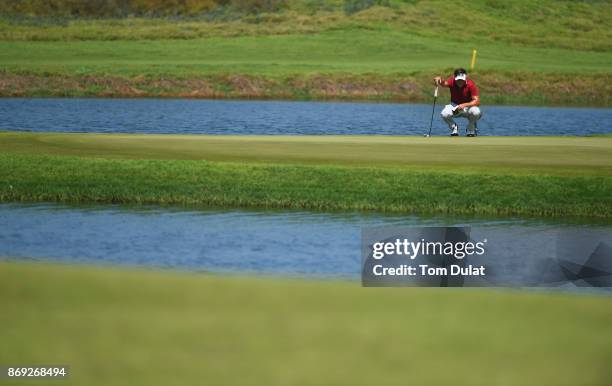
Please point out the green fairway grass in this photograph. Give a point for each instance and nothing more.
(497, 175)
(130, 327)
(541, 54)
(380, 51)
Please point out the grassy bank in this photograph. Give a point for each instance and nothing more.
(541, 54)
(377, 65)
(513, 176)
(142, 328)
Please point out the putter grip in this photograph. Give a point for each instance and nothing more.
(436, 92)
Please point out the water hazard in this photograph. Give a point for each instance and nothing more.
(287, 243)
(185, 116)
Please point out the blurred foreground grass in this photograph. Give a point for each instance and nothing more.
(130, 327)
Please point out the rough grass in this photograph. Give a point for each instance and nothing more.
(575, 25)
(558, 178)
(124, 327)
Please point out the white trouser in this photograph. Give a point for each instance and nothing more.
(473, 114)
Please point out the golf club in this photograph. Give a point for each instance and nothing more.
(432, 112)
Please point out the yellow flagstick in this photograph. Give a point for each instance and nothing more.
(473, 63)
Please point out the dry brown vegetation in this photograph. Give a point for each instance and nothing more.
(496, 87)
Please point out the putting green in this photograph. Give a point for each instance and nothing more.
(547, 155)
(493, 176)
(128, 327)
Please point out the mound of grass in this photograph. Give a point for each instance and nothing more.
(141, 328)
(511, 176)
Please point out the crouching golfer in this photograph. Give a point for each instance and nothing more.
(464, 102)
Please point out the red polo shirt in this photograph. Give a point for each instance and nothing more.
(464, 94)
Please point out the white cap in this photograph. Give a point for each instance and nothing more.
(461, 76)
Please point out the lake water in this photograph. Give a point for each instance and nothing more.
(188, 116)
(287, 243)
(267, 242)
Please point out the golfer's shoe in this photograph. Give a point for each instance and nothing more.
(471, 133)
(454, 131)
